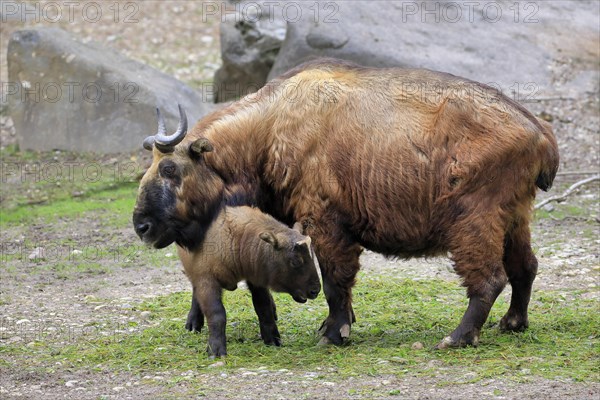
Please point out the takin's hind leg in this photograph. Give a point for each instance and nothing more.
(478, 260)
(521, 266)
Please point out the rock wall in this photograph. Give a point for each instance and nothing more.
(514, 46)
(64, 94)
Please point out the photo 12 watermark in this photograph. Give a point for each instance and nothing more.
(467, 11)
(70, 11)
(72, 92)
(16, 172)
(14, 329)
(72, 253)
(326, 12)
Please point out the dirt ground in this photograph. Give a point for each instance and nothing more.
(568, 255)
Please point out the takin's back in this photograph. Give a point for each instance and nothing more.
(413, 144)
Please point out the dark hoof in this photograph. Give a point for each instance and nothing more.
(270, 335)
(457, 339)
(333, 334)
(194, 323)
(513, 323)
(216, 351)
(273, 342)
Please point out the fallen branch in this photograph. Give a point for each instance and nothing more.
(567, 192)
(565, 173)
(540, 99)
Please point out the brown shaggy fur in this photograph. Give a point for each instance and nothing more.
(404, 162)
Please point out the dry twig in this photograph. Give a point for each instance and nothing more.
(567, 192)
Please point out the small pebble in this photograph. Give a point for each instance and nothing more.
(38, 254)
(417, 346)
(217, 364)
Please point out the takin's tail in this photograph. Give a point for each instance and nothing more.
(548, 152)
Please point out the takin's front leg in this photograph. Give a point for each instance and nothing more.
(338, 260)
(195, 318)
(208, 293)
(265, 310)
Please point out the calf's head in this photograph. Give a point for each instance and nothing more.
(178, 195)
(291, 266)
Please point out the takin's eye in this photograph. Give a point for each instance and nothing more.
(168, 169)
(296, 261)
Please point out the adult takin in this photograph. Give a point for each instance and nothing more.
(405, 162)
(245, 244)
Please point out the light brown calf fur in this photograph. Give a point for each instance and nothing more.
(245, 244)
(404, 162)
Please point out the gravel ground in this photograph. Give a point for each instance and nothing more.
(568, 256)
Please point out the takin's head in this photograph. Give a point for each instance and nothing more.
(291, 266)
(179, 195)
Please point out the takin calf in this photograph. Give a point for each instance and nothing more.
(403, 162)
(245, 244)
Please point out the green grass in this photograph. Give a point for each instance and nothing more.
(562, 341)
(118, 202)
(38, 185)
(564, 210)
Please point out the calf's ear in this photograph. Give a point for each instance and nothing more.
(269, 238)
(298, 227)
(202, 145)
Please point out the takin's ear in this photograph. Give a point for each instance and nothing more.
(269, 238)
(202, 145)
(298, 227)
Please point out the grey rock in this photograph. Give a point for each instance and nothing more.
(64, 94)
(250, 41)
(490, 42)
(38, 254)
(327, 36)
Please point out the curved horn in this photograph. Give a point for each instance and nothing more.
(167, 142)
(162, 128)
(148, 143)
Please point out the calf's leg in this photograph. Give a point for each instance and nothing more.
(265, 310)
(195, 318)
(208, 293)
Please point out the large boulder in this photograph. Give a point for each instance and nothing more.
(64, 94)
(250, 41)
(508, 44)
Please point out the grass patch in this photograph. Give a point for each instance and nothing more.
(392, 314)
(564, 210)
(31, 180)
(117, 201)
